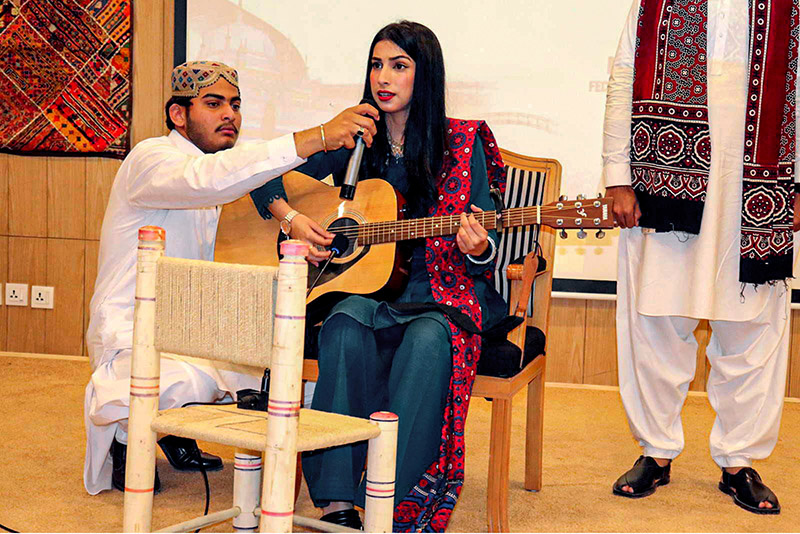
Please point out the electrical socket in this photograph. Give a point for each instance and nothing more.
(16, 294)
(42, 297)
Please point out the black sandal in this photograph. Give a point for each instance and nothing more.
(643, 478)
(346, 518)
(748, 491)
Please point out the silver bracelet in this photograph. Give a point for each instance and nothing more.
(491, 256)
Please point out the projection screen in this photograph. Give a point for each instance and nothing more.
(535, 70)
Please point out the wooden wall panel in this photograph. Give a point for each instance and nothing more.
(600, 358)
(793, 372)
(100, 173)
(27, 264)
(64, 323)
(565, 343)
(4, 194)
(27, 196)
(66, 192)
(702, 334)
(168, 48)
(90, 259)
(3, 273)
(148, 70)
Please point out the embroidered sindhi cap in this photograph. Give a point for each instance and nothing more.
(190, 77)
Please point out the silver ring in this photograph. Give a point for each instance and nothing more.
(360, 132)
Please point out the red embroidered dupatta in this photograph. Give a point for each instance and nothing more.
(429, 504)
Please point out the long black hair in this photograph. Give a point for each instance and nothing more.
(425, 132)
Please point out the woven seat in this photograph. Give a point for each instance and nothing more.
(246, 429)
(249, 315)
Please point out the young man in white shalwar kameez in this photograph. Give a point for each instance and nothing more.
(699, 155)
(178, 182)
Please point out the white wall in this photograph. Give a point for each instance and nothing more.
(535, 70)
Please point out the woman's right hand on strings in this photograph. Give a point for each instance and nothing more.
(306, 229)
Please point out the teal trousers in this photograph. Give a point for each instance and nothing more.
(397, 363)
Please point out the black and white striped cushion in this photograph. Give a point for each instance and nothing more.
(523, 188)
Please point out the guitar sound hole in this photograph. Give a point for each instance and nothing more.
(349, 228)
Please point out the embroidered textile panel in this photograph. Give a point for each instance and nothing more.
(671, 146)
(763, 208)
(65, 77)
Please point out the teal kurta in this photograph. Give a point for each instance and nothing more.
(373, 358)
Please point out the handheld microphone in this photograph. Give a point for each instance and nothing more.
(338, 247)
(348, 189)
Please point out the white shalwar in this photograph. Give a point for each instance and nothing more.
(167, 182)
(666, 282)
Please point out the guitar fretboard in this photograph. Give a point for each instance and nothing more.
(389, 231)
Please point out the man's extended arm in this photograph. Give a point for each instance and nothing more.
(164, 177)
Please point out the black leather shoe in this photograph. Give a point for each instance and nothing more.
(184, 455)
(643, 478)
(748, 491)
(119, 453)
(346, 518)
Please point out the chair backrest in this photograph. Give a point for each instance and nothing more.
(213, 310)
(529, 181)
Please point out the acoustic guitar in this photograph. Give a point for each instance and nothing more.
(373, 263)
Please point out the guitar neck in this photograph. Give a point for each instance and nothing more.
(390, 231)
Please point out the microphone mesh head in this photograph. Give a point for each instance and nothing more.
(339, 244)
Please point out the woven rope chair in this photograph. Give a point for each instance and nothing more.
(225, 312)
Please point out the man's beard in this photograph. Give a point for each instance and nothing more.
(201, 140)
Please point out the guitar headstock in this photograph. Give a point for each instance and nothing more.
(581, 213)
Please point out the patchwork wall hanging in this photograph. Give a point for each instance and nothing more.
(65, 77)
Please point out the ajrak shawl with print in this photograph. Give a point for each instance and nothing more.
(670, 139)
(428, 505)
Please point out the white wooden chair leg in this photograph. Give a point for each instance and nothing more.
(286, 366)
(144, 389)
(246, 489)
(381, 467)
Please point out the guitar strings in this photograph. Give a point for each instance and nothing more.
(380, 229)
(512, 216)
(452, 221)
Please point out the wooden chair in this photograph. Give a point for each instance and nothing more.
(225, 312)
(531, 181)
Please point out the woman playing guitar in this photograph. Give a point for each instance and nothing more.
(413, 362)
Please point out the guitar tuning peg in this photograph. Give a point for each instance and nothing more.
(563, 234)
(581, 234)
(600, 234)
(580, 197)
(562, 198)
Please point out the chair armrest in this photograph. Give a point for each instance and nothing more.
(515, 271)
(525, 272)
(521, 278)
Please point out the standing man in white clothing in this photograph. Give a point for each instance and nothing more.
(699, 155)
(177, 182)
